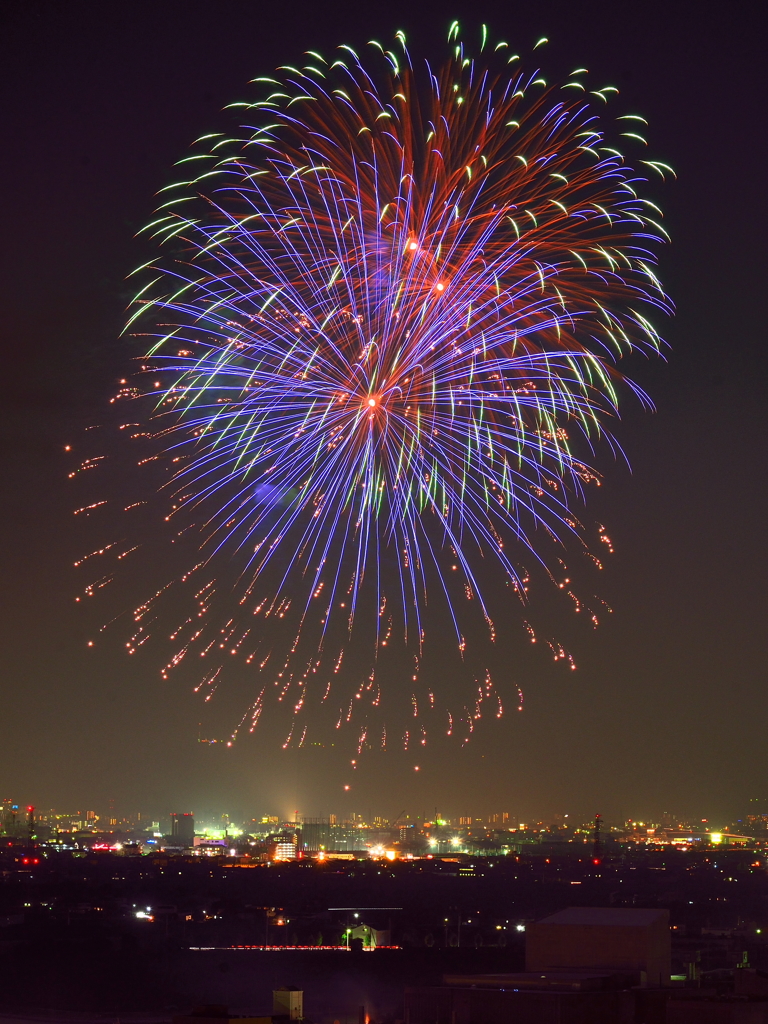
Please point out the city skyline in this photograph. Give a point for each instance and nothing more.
(15, 818)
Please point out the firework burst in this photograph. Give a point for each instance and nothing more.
(384, 327)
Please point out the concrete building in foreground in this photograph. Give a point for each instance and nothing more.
(584, 965)
(602, 938)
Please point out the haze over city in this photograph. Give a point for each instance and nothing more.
(665, 710)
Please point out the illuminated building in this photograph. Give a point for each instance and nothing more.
(10, 817)
(283, 846)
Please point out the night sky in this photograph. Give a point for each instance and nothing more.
(669, 707)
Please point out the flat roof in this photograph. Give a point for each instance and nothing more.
(499, 980)
(615, 917)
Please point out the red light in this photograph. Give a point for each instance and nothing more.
(596, 860)
(30, 809)
(25, 860)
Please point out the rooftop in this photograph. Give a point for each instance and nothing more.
(616, 917)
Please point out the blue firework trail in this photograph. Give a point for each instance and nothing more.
(385, 321)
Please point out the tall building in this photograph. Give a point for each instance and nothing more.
(284, 846)
(10, 813)
(322, 834)
(315, 834)
(183, 829)
(406, 833)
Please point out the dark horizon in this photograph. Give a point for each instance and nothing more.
(668, 707)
